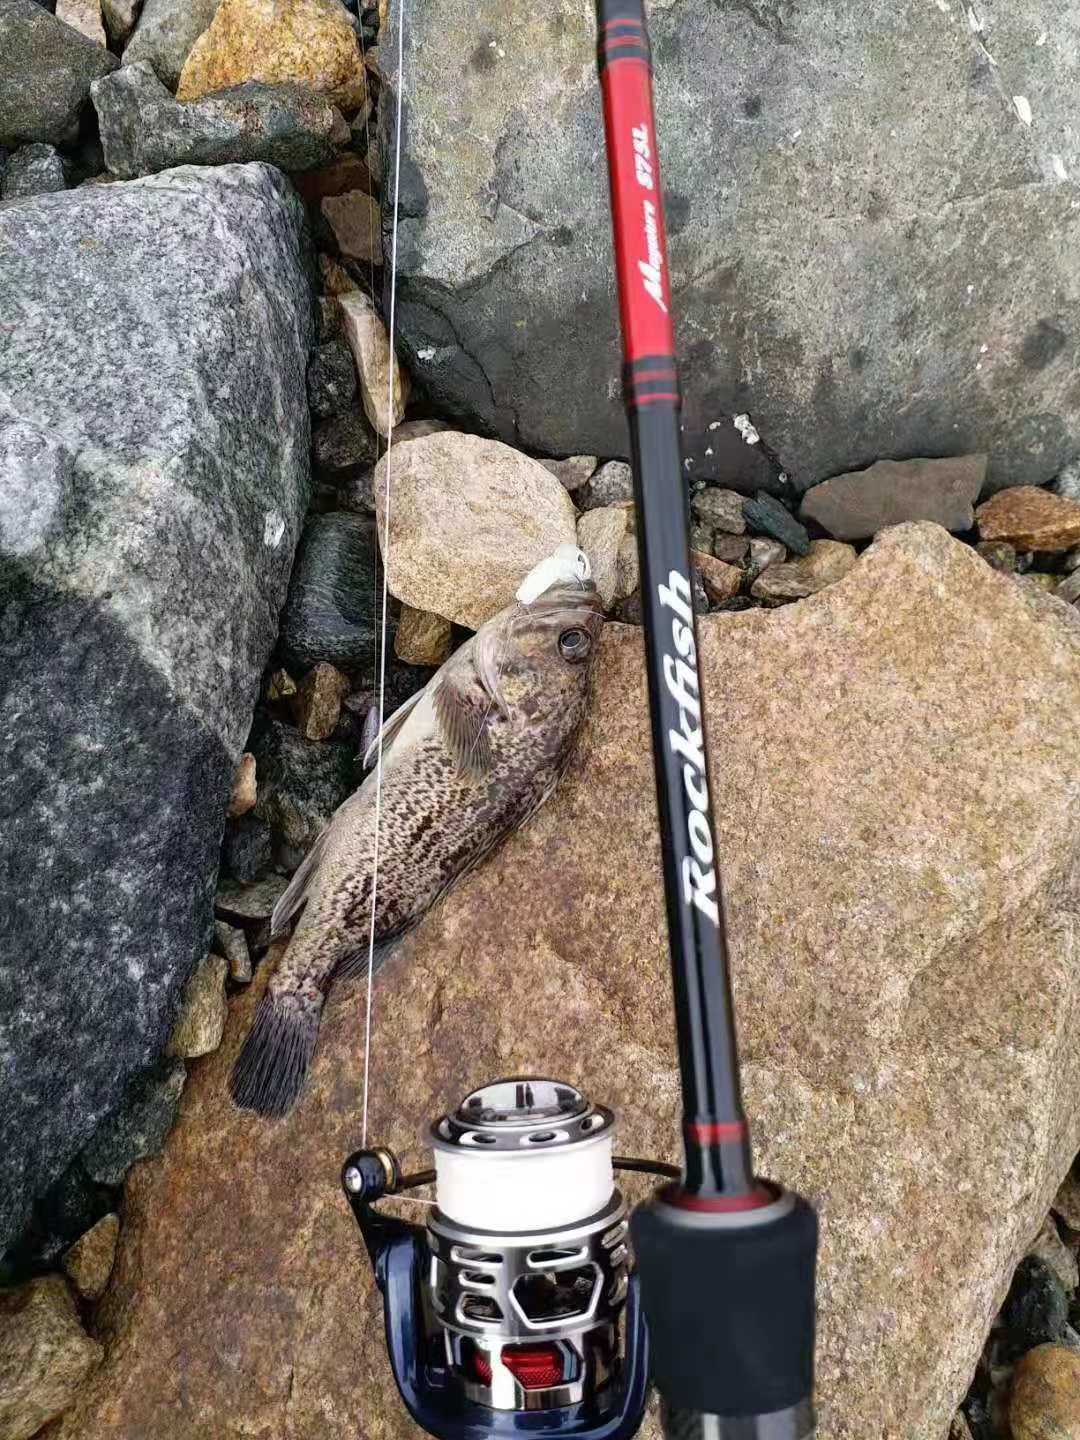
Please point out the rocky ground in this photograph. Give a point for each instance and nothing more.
(196, 393)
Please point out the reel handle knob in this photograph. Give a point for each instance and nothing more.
(368, 1175)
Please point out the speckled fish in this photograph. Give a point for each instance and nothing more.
(464, 762)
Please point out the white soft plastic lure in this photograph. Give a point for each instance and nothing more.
(564, 566)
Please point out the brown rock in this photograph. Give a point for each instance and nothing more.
(281, 686)
(898, 825)
(1067, 1201)
(45, 1355)
(244, 790)
(721, 581)
(89, 1262)
(1030, 519)
(346, 173)
(203, 1009)
(370, 345)
(826, 562)
(732, 549)
(627, 569)
(232, 943)
(356, 220)
(317, 703)
(859, 504)
(1045, 1400)
(600, 533)
(719, 510)
(763, 553)
(308, 42)
(572, 472)
(422, 638)
(336, 279)
(998, 553)
(84, 16)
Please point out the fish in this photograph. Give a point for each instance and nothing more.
(459, 766)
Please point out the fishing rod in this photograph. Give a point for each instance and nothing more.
(517, 1309)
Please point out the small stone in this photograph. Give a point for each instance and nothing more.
(343, 446)
(600, 533)
(1069, 588)
(1036, 1309)
(417, 429)
(612, 483)
(232, 942)
(244, 789)
(766, 514)
(137, 1129)
(356, 221)
(1045, 1399)
(764, 553)
(281, 686)
(701, 538)
(826, 562)
(720, 509)
(84, 16)
(356, 494)
(1067, 1201)
(629, 611)
(1049, 1247)
(959, 1429)
(317, 703)
(336, 279)
(732, 549)
(721, 581)
(329, 612)
(120, 17)
(89, 1262)
(165, 32)
(1067, 483)
(331, 379)
(858, 504)
(247, 848)
(45, 76)
(235, 901)
(203, 1011)
(304, 783)
(347, 172)
(329, 319)
(573, 471)
(1046, 582)
(32, 170)
(421, 637)
(998, 554)
(306, 42)
(1030, 519)
(627, 570)
(368, 341)
(45, 1355)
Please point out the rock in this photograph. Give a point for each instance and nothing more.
(1069, 588)
(1067, 1201)
(368, 341)
(281, 686)
(343, 446)
(232, 943)
(336, 279)
(720, 510)
(422, 638)
(1045, 1399)
(303, 42)
(306, 783)
(45, 1355)
(46, 75)
(330, 611)
(247, 848)
(1050, 1249)
(733, 549)
(329, 317)
(627, 569)
(89, 1262)
(469, 520)
(144, 130)
(959, 1429)
(891, 232)
(573, 471)
(165, 32)
(120, 17)
(347, 172)
(147, 525)
(612, 483)
(331, 379)
(764, 553)
(84, 16)
(138, 1127)
(701, 538)
(244, 787)
(1067, 483)
(767, 515)
(355, 494)
(203, 1010)
(1071, 561)
(721, 581)
(600, 533)
(317, 703)
(238, 901)
(826, 562)
(32, 170)
(1044, 581)
(865, 713)
(999, 554)
(356, 221)
(1031, 519)
(1036, 1309)
(858, 505)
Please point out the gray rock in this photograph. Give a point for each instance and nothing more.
(137, 1128)
(232, 943)
(573, 471)
(732, 549)
(165, 32)
(120, 17)
(32, 170)
(1067, 483)
(767, 516)
(331, 379)
(246, 848)
(330, 612)
(236, 901)
(857, 506)
(45, 76)
(719, 509)
(153, 475)
(305, 782)
(343, 446)
(611, 484)
(885, 214)
(144, 130)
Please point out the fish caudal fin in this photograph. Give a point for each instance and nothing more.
(270, 1070)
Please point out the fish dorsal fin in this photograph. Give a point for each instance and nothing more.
(390, 727)
(463, 712)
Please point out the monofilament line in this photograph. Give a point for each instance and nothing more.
(391, 326)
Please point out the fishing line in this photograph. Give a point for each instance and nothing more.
(391, 328)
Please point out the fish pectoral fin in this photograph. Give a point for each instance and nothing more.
(390, 727)
(295, 895)
(463, 717)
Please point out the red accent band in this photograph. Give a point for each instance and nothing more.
(715, 1132)
(628, 20)
(669, 396)
(626, 41)
(639, 375)
(717, 1204)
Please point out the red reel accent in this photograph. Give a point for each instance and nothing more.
(534, 1367)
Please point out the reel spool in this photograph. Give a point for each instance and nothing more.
(514, 1310)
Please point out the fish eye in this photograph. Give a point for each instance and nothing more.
(575, 643)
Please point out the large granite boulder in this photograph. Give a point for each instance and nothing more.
(873, 254)
(45, 75)
(896, 765)
(153, 474)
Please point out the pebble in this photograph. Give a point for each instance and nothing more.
(764, 553)
(84, 16)
(336, 279)
(1069, 588)
(1067, 483)
(858, 504)
(572, 472)
(610, 484)
(45, 76)
(45, 1355)
(1036, 1309)
(305, 782)
(628, 610)
(422, 637)
(236, 901)
(138, 1127)
(120, 17)
(200, 1023)
(281, 685)
(721, 581)
(246, 848)
(164, 34)
(370, 346)
(32, 170)
(356, 222)
(998, 554)
(627, 569)
(244, 787)
(331, 379)
(343, 446)
(701, 538)
(316, 705)
(600, 533)
(720, 510)
(765, 514)
(826, 562)
(1045, 1399)
(1030, 519)
(232, 942)
(732, 549)
(89, 1262)
(1049, 1247)
(330, 609)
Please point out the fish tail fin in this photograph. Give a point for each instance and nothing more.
(270, 1070)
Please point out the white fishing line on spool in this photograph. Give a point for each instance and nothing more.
(531, 1189)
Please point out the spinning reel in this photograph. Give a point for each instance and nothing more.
(515, 1309)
